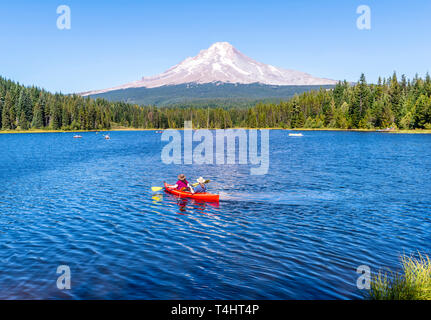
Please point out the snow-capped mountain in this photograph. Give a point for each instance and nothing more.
(222, 63)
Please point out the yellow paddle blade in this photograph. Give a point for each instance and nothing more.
(156, 188)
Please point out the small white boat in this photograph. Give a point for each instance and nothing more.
(296, 135)
(77, 137)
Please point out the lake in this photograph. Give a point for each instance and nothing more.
(330, 202)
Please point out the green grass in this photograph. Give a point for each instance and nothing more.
(414, 283)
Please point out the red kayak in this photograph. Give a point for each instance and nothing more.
(198, 196)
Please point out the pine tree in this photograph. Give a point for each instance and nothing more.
(360, 103)
(65, 119)
(6, 114)
(55, 117)
(252, 119)
(38, 116)
(25, 106)
(1, 106)
(422, 115)
(395, 97)
(23, 123)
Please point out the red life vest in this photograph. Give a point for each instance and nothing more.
(182, 184)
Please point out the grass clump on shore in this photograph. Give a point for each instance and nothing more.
(414, 283)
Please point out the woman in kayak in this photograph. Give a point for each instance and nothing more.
(201, 188)
(182, 184)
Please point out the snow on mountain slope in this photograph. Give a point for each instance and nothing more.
(223, 63)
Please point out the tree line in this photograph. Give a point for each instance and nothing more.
(404, 104)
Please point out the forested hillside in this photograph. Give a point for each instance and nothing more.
(391, 102)
(217, 94)
(402, 104)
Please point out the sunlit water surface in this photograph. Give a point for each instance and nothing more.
(331, 201)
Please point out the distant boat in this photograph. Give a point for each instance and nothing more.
(296, 135)
(386, 129)
(77, 136)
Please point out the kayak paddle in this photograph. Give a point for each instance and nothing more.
(195, 184)
(155, 189)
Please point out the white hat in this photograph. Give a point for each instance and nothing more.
(200, 180)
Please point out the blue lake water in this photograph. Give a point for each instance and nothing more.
(331, 201)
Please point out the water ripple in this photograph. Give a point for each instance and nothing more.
(329, 203)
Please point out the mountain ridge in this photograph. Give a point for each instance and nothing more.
(221, 63)
(213, 94)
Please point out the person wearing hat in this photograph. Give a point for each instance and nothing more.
(182, 184)
(201, 188)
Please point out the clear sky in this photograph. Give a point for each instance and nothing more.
(114, 42)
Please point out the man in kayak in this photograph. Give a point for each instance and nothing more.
(201, 188)
(182, 184)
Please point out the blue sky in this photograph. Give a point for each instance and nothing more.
(114, 42)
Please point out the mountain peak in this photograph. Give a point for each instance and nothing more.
(221, 62)
(221, 47)
(216, 53)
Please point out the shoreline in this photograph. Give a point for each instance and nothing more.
(404, 131)
(73, 131)
(414, 131)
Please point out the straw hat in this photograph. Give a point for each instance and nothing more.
(182, 177)
(200, 180)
